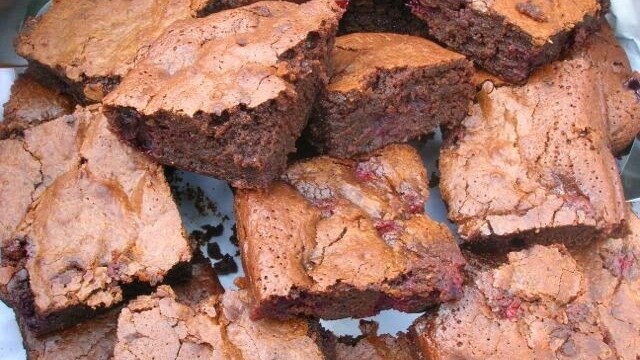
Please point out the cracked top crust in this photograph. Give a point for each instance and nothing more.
(93, 339)
(89, 212)
(30, 104)
(620, 101)
(542, 19)
(347, 224)
(114, 34)
(169, 325)
(545, 303)
(357, 57)
(534, 158)
(232, 58)
(372, 346)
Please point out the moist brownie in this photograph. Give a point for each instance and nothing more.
(391, 16)
(228, 95)
(545, 303)
(510, 38)
(107, 37)
(93, 339)
(30, 104)
(339, 238)
(616, 84)
(533, 162)
(172, 325)
(388, 88)
(90, 219)
(372, 346)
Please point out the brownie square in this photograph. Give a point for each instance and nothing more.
(388, 88)
(533, 163)
(617, 85)
(391, 16)
(545, 302)
(89, 63)
(228, 95)
(171, 324)
(90, 222)
(340, 238)
(510, 38)
(30, 104)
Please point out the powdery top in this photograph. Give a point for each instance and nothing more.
(542, 19)
(545, 303)
(89, 210)
(231, 58)
(532, 158)
(358, 57)
(352, 224)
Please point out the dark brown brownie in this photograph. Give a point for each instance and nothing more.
(30, 104)
(87, 214)
(388, 88)
(339, 238)
(93, 339)
(115, 33)
(390, 16)
(533, 162)
(545, 303)
(228, 95)
(372, 346)
(510, 38)
(614, 84)
(173, 325)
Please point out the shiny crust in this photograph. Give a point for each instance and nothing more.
(342, 238)
(534, 162)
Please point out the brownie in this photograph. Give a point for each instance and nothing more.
(510, 38)
(30, 104)
(615, 85)
(93, 339)
(339, 238)
(90, 221)
(545, 302)
(388, 88)
(90, 58)
(170, 325)
(228, 95)
(205, 7)
(391, 16)
(533, 163)
(372, 346)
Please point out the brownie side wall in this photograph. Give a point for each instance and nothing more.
(494, 44)
(395, 106)
(245, 146)
(381, 16)
(56, 79)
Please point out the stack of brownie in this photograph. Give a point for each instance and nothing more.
(534, 99)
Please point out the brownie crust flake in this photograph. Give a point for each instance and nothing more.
(87, 214)
(388, 88)
(340, 238)
(227, 95)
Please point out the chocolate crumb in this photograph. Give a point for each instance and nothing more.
(213, 250)
(226, 266)
(234, 236)
(531, 10)
(634, 84)
(434, 180)
(207, 232)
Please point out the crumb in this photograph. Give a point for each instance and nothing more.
(226, 266)
(531, 10)
(213, 250)
(234, 236)
(434, 180)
